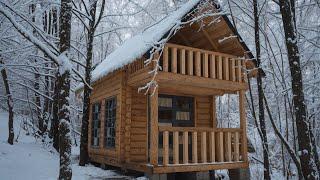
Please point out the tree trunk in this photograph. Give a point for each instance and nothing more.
(87, 90)
(54, 129)
(264, 139)
(9, 103)
(65, 172)
(308, 165)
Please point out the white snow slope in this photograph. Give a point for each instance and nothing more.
(28, 159)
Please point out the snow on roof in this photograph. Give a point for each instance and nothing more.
(138, 45)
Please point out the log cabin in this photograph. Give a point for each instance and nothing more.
(173, 126)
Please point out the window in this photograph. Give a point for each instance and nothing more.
(95, 130)
(177, 110)
(110, 120)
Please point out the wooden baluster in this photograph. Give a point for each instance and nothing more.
(239, 70)
(182, 61)
(198, 63)
(165, 148)
(212, 147)
(226, 68)
(204, 147)
(228, 147)
(233, 70)
(176, 147)
(165, 66)
(236, 146)
(194, 147)
(212, 66)
(244, 70)
(174, 60)
(205, 67)
(243, 126)
(219, 67)
(220, 147)
(190, 62)
(185, 147)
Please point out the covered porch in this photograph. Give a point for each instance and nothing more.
(200, 76)
(196, 147)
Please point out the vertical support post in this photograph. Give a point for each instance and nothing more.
(182, 61)
(220, 147)
(194, 147)
(236, 146)
(213, 112)
(244, 70)
(175, 147)
(243, 125)
(174, 60)
(239, 70)
(212, 147)
(219, 67)
(165, 148)
(190, 62)
(204, 147)
(185, 147)
(233, 70)
(165, 66)
(226, 68)
(205, 67)
(154, 131)
(228, 145)
(198, 63)
(212, 66)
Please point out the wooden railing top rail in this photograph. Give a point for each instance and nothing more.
(202, 50)
(197, 129)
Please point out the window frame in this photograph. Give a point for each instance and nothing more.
(93, 127)
(106, 119)
(175, 109)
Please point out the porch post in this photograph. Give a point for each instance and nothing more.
(154, 134)
(213, 112)
(243, 125)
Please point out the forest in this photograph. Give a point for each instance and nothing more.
(49, 49)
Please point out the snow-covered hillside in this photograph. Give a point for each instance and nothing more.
(29, 159)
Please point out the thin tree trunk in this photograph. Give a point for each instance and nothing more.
(54, 129)
(65, 172)
(266, 162)
(284, 141)
(306, 155)
(9, 103)
(87, 91)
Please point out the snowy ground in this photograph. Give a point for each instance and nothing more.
(29, 159)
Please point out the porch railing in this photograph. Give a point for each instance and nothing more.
(187, 145)
(198, 62)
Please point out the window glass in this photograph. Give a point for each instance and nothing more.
(95, 129)
(110, 120)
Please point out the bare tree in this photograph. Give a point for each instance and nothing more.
(309, 169)
(260, 94)
(93, 23)
(9, 102)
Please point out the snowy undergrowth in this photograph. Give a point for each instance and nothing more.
(30, 159)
